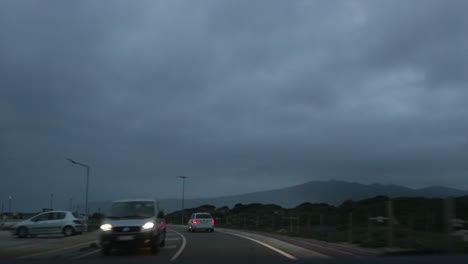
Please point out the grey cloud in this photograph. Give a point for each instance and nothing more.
(239, 95)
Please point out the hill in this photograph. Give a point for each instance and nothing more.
(331, 192)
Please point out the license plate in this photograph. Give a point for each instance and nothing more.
(125, 238)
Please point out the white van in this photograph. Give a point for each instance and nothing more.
(133, 223)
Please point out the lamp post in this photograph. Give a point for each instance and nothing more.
(87, 183)
(71, 203)
(52, 201)
(183, 196)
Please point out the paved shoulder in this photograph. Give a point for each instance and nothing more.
(13, 247)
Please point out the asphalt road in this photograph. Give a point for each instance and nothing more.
(182, 245)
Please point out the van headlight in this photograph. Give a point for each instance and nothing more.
(106, 227)
(148, 225)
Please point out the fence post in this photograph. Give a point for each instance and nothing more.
(290, 224)
(321, 222)
(369, 227)
(429, 222)
(390, 223)
(299, 224)
(411, 221)
(448, 216)
(350, 231)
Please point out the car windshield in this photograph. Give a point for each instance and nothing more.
(132, 210)
(203, 216)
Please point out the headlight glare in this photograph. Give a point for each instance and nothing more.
(106, 227)
(148, 225)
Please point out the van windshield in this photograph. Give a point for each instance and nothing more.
(131, 210)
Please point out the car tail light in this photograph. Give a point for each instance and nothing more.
(77, 222)
(194, 221)
(212, 221)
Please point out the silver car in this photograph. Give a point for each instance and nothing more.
(201, 221)
(52, 222)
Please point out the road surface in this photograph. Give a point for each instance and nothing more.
(180, 245)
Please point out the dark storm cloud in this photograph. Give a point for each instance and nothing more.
(238, 95)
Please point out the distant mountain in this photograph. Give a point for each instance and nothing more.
(331, 192)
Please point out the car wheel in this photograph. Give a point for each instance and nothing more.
(22, 232)
(67, 231)
(155, 248)
(163, 241)
(211, 230)
(106, 251)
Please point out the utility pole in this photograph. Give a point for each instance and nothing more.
(183, 196)
(9, 204)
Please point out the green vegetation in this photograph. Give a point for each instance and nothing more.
(418, 223)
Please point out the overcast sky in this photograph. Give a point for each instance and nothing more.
(239, 96)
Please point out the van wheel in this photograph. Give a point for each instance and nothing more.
(22, 232)
(106, 251)
(163, 241)
(67, 231)
(154, 249)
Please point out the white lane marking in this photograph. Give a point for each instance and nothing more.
(320, 246)
(289, 256)
(173, 239)
(182, 247)
(57, 250)
(170, 246)
(87, 254)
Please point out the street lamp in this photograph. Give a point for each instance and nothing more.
(52, 201)
(71, 203)
(183, 194)
(87, 182)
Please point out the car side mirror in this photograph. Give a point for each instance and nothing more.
(161, 215)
